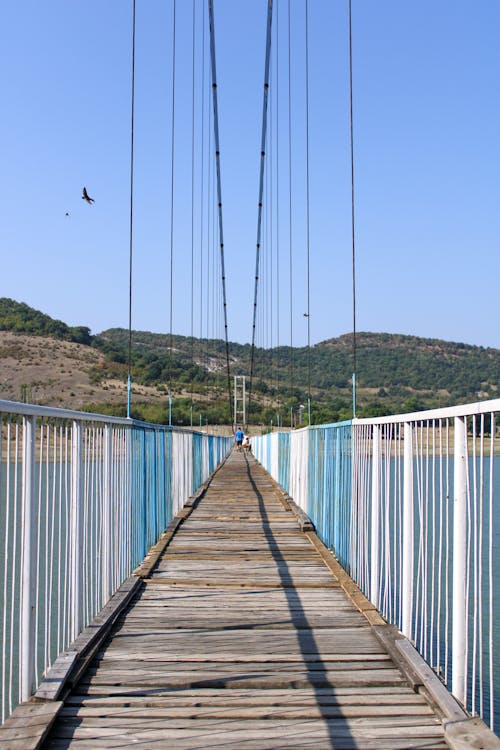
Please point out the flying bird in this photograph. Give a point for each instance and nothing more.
(86, 197)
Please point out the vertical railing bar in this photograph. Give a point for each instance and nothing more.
(469, 529)
(417, 608)
(76, 530)
(407, 569)
(58, 483)
(49, 549)
(473, 529)
(440, 551)
(480, 564)
(37, 560)
(459, 561)
(447, 561)
(375, 518)
(425, 542)
(14, 557)
(432, 656)
(67, 547)
(490, 576)
(6, 563)
(27, 594)
(55, 550)
(401, 484)
(106, 516)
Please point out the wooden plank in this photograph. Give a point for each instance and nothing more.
(55, 679)
(470, 733)
(28, 725)
(81, 651)
(243, 637)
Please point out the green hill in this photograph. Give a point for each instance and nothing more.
(20, 318)
(395, 373)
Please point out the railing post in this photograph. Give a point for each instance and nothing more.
(408, 541)
(375, 517)
(107, 566)
(459, 605)
(28, 594)
(76, 536)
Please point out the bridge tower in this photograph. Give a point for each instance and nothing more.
(240, 401)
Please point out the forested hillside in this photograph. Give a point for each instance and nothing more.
(20, 318)
(395, 373)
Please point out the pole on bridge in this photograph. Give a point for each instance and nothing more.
(76, 531)
(375, 518)
(107, 544)
(408, 532)
(28, 594)
(129, 392)
(459, 603)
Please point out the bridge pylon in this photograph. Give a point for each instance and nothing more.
(240, 401)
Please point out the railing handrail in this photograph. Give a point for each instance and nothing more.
(445, 412)
(34, 410)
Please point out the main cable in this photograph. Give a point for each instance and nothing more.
(129, 378)
(172, 226)
(261, 191)
(308, 314)
(219, 198)
(192, 208)
(277, 78)
(290, 207)
(354, 353)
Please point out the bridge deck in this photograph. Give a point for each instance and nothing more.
(243, 638)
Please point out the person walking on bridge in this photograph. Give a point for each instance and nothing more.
(238, 436)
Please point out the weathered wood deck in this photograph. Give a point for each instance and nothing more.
(243, 638)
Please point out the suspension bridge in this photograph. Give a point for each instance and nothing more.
(332, 588)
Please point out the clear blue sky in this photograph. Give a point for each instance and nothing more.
(427, 126)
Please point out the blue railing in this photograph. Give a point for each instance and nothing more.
(410, 505)
(82, 499)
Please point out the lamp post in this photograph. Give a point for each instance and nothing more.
(301, 413)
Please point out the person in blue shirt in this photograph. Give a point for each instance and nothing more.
(238, 436)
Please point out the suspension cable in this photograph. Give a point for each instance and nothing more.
(202, 178)
(192, 208)
(129, 378)
(172, 225)
(290, 208)
(308, 273)
(277, 221)
(261, 190)
(219, 199)
(354, 354)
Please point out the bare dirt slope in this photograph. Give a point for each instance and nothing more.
(56, 373)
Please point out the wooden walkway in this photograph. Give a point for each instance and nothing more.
(243, 638)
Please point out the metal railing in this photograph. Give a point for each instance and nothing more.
(409, 504)
(82, 499)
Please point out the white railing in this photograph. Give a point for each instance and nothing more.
(82, 498)
(409, 504)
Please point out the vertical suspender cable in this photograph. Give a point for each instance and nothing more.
(290, 206)
(192, 209)
(308, 314)
(202, 179)
(277, 221)
(172, 227)
(219, 197)
(261, 191)
(129, 379)
(354, 353)
(271, 230)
